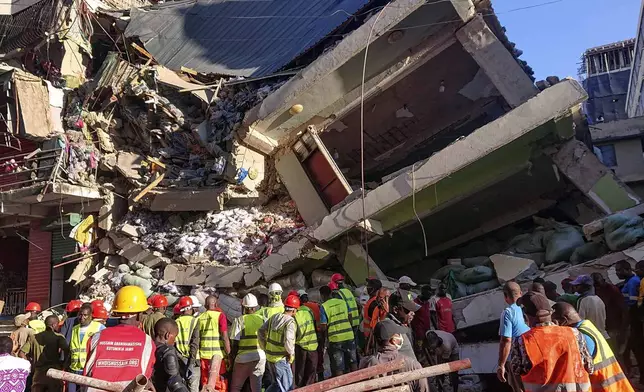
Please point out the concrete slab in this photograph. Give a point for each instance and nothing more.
(129, 230)
(511, 267)
(128, 164)
(106, 245)
(224, 276)
(252, 277)
(207, 199)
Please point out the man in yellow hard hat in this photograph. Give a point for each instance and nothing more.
(122, 352)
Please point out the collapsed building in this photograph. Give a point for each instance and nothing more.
(407, 139)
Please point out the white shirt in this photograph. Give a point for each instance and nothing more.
(13, 373)
(449, 346)
(592, 308)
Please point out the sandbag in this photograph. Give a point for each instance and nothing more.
(296, 281)
(587, 252)
(320, 277)
(477, 261)
(529, 242)
(133, 280)
(482, 286)
(562, 244)
(622, 232)
(455, 288)
(475, 275)
(442, 272)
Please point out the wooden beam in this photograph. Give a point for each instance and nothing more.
(148, 188)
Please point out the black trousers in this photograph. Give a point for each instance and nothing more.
(636, 338)
(306, 363)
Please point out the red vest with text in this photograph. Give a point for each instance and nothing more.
(120, 354)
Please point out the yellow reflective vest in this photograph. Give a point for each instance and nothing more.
(248, 340)
(78, 348)
(269, 311)
(187, 326)
(274, 349)
(210, 340)
(338, 327)
(37, 325)
(352, 305)
(305, 336)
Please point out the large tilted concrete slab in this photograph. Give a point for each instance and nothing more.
(546, 106)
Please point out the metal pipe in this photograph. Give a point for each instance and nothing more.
(354, 377)
(136, 385)
(400, 378)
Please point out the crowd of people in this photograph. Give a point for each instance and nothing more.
(278, 343)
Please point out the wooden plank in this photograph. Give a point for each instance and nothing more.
(148, 188)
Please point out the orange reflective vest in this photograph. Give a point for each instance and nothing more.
(608, 375)
(366, 317)
(556, 361)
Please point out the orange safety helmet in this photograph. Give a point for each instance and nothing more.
(336, 277)
(159, 301)
(332, 285)
(73, 305)
(292, 292)
(185, 302)
(100, 313)
(292, 301)
(97, 303)
(33, 307)
(177, 309)
(152, 297)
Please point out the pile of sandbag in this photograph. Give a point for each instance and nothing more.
(462, 281)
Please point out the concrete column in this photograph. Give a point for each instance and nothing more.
(595, 180)
(357, 264)
(500, 66)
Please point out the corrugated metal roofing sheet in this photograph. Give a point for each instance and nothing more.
(248, 38)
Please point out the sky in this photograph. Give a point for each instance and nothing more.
(553, 36)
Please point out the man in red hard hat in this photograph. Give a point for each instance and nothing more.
(34, 323)
(348, 297)
(159, 304)
(71, 310)
(100, 315)
(187, 343)
(277, 338)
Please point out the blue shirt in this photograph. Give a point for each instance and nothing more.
(512, 322)
(323, 318)
(631, 290)
(590, 343)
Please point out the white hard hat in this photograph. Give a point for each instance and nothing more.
(249, 301)
(406, 279)
(301, 292)
(274, 287)
(195, 301)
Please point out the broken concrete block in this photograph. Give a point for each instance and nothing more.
(171, 271)
(271, 266)
(129, 230)
(252, 277)
(224, 276)
(513, 268)
(100, 274)
(134, 253)
(105, 245)
(128, 164)
(108, 162)
(190, 276)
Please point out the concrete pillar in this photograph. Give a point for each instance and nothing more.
(500, 66)
(595, 180)
(357, 264)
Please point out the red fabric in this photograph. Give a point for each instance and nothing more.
(421, 323)
(221, 384)
(223, 322)
(315, 308)
(444, 315)
(614, 301)
(119, 353)
(555, 359)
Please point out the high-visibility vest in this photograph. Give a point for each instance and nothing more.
(348, 297)
(37, 325)
(338, 326)
(608, 375)
(248, 341)
(210, 340)
(556, 361)
(274, 349)
(366, 317)
(269, 311)
(306, 337)
(78, 348)
(186, 326)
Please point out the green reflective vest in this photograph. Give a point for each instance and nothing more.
(78, 348)
(186, 326)
(306, 337)
(210, 340)
(248, 341)
(338, 327)
(348, 297)
(269, 311)
(37, 325)
(274, 349)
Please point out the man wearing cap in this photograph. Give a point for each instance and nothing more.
(187, 342)
(334, 316)
(20, 335)
(348, 297)
(444, 348)
(389, 339)
(549, 357)
(159, 304)
(404, 287)
(401, 313)
(71, 313)
(245, 352)
(589, 305)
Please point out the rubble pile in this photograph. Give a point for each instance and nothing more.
(227, 237)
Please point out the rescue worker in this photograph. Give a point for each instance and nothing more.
(275, 305)
(106, 358)
(187, 342)
(214, 345)
(334, 319)
(159, 304)
(549, 357)
(373, 286)
(34, 309)
(247, 355)
(306, 347)
(167, 374)
(21, 333)
(315, 308)
(608, 375)
(443, 347)
(277, 337)
(100, 315)
(71, 310)
(81, 334)
(46, 350)
(350, 299)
